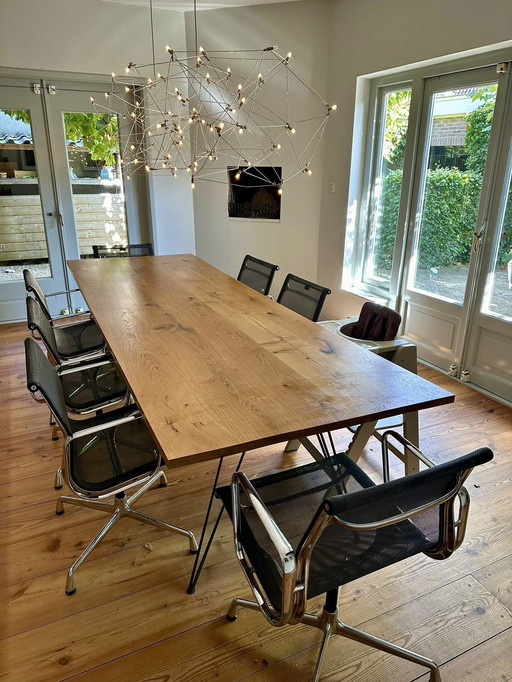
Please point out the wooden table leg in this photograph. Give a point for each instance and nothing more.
(412, 433)
(358, 442)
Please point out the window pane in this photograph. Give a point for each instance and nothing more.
(92, 142)
(387, 185)
(498, 302)
(22, 233)
(460, 127)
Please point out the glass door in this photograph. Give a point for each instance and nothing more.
(487, 358)
(63, 189)
(29, 223)
(449, 202)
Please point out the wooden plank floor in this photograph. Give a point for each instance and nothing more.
(131, 619)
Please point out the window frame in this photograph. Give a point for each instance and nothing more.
(375, 87)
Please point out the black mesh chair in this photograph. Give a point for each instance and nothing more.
(257, 274)
(305, 298)
(104, 456)
(99, 251)
(32, 287)
(90, 380)
(307, 531)
(89, 389)
(68, 345)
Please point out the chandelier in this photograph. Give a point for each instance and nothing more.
(205, 112)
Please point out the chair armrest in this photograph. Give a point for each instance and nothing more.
(283, 548)
(407, 446)
(280, 542)
(80, 368)
(62, 293)
(106, 425)
(368, 499)
(70, 320)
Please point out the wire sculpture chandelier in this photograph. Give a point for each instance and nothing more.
(204, 112)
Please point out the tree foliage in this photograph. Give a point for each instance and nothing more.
(97, 132)
(397, 119)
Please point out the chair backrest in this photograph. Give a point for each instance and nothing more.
(43, 379)
(99, 251)
(257, 274)
(305, 298)
(38, 322)
(339, 526)
(376, 323)
(33, 287)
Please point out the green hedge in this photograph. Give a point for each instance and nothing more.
(449, 218)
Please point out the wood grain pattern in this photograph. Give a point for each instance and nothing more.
(217, 368)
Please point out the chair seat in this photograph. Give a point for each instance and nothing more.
(87, 388)
(112, 457)
(78, 339)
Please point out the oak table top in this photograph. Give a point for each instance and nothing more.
(217, 368)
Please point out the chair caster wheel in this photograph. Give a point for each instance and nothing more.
(71, 592)
(191, 590)
(59, 513)
(231, 618)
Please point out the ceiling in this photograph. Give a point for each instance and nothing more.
(188, 5)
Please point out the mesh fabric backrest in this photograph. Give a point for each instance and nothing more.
(257, 274)
(406, 493)
(140, 249)
(302, 296)
(376, 323)
(342, 555)
(42, 377)
(37, 321)
(33, 287)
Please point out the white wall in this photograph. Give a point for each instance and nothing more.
(96, 37)
(299, 27)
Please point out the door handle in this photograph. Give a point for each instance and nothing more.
(477, 236)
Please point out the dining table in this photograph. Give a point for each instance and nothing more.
(217, 368)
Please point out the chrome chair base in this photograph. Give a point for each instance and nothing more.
(330, 625)
(121, 506)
